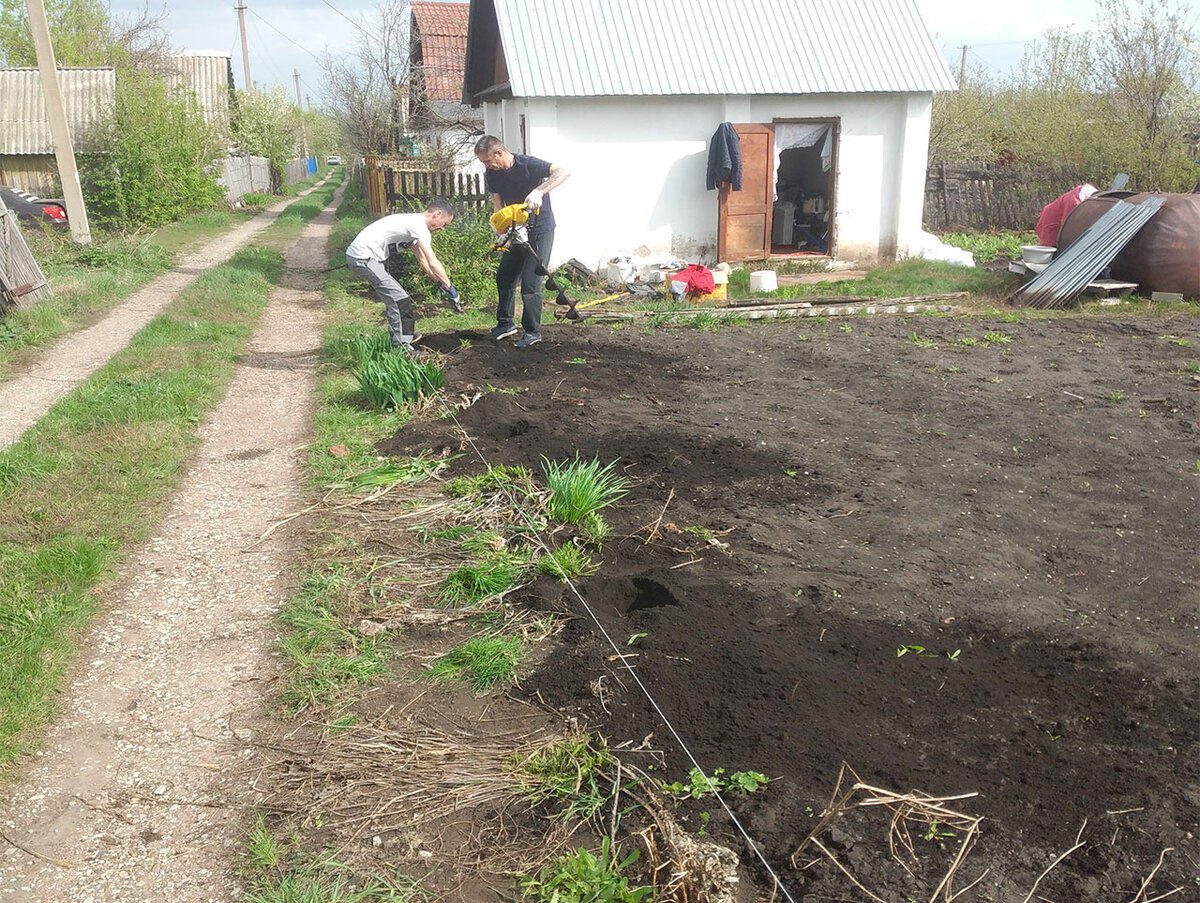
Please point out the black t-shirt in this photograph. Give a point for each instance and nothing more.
(514, 184)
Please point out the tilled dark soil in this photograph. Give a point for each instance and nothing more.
(808, 499)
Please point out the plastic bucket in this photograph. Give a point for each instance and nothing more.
(763, 281)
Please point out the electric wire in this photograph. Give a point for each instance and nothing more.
(620, 655)
(281, 34)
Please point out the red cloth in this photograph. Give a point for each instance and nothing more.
(1055, 213)
(699, 279)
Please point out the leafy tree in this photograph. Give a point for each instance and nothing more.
(265, 124)
(1144, 63)
(82, 33)
(160, 160)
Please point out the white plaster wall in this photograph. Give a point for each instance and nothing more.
(638, 167)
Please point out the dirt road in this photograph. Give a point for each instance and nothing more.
(139, 793)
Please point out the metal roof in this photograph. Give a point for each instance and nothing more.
(87, 93)
(581, 48)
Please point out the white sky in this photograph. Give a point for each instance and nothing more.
(287, 36)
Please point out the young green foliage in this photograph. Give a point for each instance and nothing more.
(697, 785)
(568, 772)
(582, 877)
(471, 583)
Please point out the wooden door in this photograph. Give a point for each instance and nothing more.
(744, 217)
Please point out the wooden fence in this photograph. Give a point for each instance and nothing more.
(983, 198)
(393, 185)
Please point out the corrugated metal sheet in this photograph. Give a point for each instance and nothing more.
(210, 77)
(580, 48)
(88, 95)
(1081, 262)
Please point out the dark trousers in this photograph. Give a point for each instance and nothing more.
(519, 266)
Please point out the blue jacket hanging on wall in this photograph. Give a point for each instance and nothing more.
(725, 158)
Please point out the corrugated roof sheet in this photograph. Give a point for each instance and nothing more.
(580, 48)
(442, 31)
(88, 94)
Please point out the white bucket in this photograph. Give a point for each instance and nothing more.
(763, 281)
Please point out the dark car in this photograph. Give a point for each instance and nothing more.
(32, 208)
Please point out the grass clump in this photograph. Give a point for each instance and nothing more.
(325, 654)
(570, 772)
(583, 877)
(476, 581)
(277, 870)
(392, 473)
(579, 489)
(566, 563)
(501, 478)
(482, 662)
(389, 379)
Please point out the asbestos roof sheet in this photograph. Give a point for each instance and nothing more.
(579, 48)
(88, 95)
(210, 77)
(441, 29)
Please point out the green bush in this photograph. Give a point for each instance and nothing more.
(463, 248)
(160, 157)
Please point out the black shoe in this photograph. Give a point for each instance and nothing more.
(502, 332)
(530, 338)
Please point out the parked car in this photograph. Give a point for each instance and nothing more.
(333, 160)
(32, 208)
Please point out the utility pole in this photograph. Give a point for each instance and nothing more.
(962, 65)
(241, 9)
(60, 132)
(300, 104)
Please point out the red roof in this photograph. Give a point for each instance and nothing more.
(441, 29)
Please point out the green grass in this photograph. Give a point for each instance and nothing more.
(476, 581)
(569, 773)
(906, 279)
(583, 877)
(89, 280)
(325, 653)
(989, 246)
(86, 483)
(277, 870)
(482, 662)
(389, 379)
(579, 489)
(566, 563)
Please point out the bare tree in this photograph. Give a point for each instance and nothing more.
(1143, 63)
(369, 90)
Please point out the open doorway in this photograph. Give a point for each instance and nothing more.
(805, 170)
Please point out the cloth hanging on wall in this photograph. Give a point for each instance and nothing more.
(725, 158)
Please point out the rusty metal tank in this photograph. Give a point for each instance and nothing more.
(1165, 254)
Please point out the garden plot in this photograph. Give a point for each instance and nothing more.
(934, 578)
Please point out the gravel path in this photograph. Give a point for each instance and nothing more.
(75, 357)
(141, 789)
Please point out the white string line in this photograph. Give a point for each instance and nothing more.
(624, 660)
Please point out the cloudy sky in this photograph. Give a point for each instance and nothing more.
(283, 38)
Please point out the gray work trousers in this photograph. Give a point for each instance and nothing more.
(397, 305)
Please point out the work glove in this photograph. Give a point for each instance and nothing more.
(450, 293)
(534, 200)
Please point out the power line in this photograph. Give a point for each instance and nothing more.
(284, 36)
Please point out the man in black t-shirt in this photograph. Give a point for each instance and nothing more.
(514, 179)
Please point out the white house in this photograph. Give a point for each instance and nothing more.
(830, 100)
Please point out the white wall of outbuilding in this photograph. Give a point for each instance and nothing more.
(638, 168)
